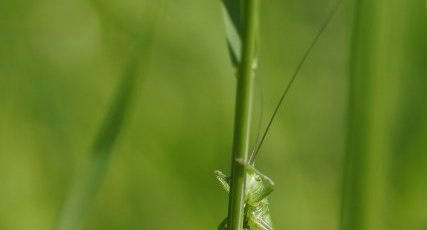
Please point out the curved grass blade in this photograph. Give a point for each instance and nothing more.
(88, 184)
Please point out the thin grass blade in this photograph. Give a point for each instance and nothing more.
(232, 11)
(88, 184)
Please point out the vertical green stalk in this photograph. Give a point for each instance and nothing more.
(373, 93)
(409, 158)
(242, 116)
(361, 183)
(354, 210)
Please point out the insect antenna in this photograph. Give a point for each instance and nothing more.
(261, 95)
(291, 81)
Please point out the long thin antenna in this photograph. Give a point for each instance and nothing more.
(290, 83)
(261, 111)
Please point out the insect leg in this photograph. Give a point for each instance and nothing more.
(257, 223)
(223, 179)
(223, 224)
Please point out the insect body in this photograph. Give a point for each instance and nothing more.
(257, 210)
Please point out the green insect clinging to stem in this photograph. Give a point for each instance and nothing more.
(257, 186)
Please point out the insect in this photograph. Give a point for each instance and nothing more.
(257, 208)
(258, 186)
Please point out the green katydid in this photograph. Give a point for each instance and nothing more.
(257, 186)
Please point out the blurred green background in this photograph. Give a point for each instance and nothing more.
(61, 61)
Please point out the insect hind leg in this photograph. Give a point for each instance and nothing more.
(223, 225)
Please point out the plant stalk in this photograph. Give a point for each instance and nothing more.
(243, 116)
(369, 117)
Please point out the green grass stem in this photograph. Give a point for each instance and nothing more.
(359, 181)
(370, 116)
(242, 116)
(387, 76)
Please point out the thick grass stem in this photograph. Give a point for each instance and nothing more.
(242, 116)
